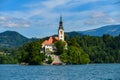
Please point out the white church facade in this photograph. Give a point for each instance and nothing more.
(48, 45)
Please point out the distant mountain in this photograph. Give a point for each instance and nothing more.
(73, 33)
(113, 30)
(12, 39)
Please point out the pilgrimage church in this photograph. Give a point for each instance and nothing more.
(48, 45)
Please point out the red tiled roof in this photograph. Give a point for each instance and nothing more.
(51, 40)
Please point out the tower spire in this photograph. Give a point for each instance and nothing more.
(60, 23)
(60, 18)
(61, 30)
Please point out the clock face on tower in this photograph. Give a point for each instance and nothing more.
(61, 30)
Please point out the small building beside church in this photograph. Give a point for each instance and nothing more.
(48, 45)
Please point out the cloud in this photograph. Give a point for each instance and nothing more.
(6, 21)
(49, 4)
(100, 21)
(41, 15)
(97, 14)
(99, 18)
(2, 18)
(109, 20)
(53, 7)
(74, 3)
(90, 22)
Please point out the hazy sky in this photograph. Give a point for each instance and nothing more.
(40, 18)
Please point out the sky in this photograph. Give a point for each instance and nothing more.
(40, 18)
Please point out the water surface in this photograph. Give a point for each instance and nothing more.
(64, 72)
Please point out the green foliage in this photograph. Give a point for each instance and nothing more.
(64, 57)
(60, 45)
(105, 49)
(30, 53)
(9, 56)
(7, 59)
(81, 50)
(75, 56)
(90, 49)
(11, 39)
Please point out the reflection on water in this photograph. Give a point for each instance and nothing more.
(65, 72)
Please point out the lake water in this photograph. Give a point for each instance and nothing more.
(64, 72)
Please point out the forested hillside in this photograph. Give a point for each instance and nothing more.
(82, 49)
(12, 39)
(105, 49)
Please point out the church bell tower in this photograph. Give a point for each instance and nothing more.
(61, 30)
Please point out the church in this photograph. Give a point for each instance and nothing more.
(48, 45)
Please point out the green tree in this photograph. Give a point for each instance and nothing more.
(78, 56)
(30, 53)
(75, 56)
(7, 59)
(64, 57)
(60, 45)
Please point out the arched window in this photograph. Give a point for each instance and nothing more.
(61, 32)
